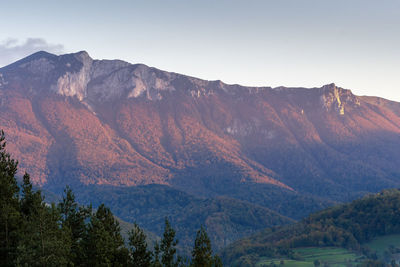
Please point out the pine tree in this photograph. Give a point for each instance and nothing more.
(43, 241)
(140, 256)
(168, 246)
(73, 222)
(202, 252)
(217, 261)
(31, 201)
(10, 217)
(156, 256)
(104, 243)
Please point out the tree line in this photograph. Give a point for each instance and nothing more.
(35, 233)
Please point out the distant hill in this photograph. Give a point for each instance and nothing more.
(225, 219)
(352, 226)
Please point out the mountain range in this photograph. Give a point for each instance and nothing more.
(109, 124)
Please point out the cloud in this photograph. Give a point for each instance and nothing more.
(12, 49)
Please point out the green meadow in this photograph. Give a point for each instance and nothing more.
(382, 243)
(330, 256)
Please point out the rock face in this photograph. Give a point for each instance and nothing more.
(337, 98)
(74, 120)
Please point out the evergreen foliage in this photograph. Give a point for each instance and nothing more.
(156, 259)
(74, 223)
(140, 256)
(168, 246)
(202, 252)
(104, 245)
(10, 217)
(42, 242)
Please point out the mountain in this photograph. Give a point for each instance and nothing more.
(72, 119)
(284, 152)
(356, 227)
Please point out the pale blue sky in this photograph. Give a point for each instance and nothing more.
(305, 43)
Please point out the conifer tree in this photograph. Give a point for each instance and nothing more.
(202, 251)
(31, 200)
(168, 246)
(217, 261)
(43, 241)
(104, 243)
(10, 218)
(139, 254)
(73, 222)
(156, 256)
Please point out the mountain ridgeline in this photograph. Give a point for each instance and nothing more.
(135, 137)
(72, 119)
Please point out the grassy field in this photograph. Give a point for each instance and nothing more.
(334, 257)
(287, 263)
(382, 243)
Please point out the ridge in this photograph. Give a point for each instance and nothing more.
(91, 80)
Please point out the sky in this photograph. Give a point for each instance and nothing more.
(296, 43)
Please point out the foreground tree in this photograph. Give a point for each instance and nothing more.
(139, 254)
(10, 217)
(156, 256)
(168, 246)
(74, 223)
(202, 252)
(202, 255)
(104, 245)
(43, 242)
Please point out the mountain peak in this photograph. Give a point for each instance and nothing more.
(82, 56)
(329, 87)
(337, 98)
(82, 53)
(35, 57)
(40, 54)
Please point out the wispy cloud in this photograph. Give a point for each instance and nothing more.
(13, 49)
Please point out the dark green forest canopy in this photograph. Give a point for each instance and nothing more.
(226, 219)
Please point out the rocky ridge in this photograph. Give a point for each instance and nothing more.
(97, 81)
(111, 122)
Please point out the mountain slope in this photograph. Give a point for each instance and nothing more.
(75, 120)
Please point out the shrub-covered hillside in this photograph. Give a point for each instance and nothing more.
(349, 226)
